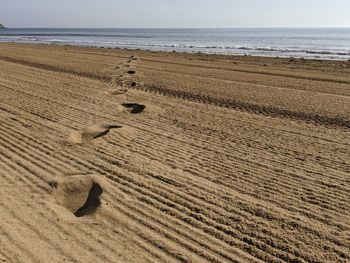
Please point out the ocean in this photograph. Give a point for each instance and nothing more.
(313, 43)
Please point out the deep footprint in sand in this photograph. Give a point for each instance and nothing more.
(90, 133)
(131, 72)
(133, 108)
(79, 194)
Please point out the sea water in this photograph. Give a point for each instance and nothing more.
(316, 43)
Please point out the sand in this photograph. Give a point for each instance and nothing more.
(112, 155)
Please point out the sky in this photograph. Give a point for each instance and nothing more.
(175, 13)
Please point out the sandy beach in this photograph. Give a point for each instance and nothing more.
(113, 155)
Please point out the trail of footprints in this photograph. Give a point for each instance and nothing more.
(120, 82)
(80, 194)
(122, 76)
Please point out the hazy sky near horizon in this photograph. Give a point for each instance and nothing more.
(175, 13)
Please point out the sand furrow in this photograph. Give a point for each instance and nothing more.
(33, 183)
(264, 177)
(143, 151)
(189, 216)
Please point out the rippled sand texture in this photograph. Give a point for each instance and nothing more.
(131, 156)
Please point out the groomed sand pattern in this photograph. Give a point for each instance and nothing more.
(121, 156)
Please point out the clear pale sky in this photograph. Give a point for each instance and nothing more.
(175, 13)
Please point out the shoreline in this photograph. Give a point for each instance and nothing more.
(290, 58)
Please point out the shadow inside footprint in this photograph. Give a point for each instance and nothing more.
(90, 133)
(131, 72)
(103, 130)
(135, 108)
(92, 203)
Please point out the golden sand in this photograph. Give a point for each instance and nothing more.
(131, 156)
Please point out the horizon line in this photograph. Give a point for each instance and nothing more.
(238, 27)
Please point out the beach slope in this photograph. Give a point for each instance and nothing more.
(110, 155)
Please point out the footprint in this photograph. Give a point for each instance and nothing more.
(79, 194)
(130, 84)
(90, 133)
(134, 108)
(117, 92)
(131, 58)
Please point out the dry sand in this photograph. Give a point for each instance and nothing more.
(134, 156)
